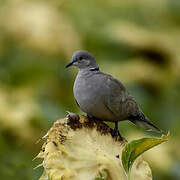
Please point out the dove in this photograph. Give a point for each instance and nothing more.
(103, 97)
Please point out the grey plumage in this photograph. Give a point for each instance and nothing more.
(102, 96)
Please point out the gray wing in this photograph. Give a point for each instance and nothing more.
(119, 101)
(123, 105)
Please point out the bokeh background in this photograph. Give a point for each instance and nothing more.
(136, 41)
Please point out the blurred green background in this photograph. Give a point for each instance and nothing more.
(136, 41)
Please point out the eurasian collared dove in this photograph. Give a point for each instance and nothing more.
(103, 97)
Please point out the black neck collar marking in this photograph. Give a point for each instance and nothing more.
(94, 69)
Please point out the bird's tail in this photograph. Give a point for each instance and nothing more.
(141, 121)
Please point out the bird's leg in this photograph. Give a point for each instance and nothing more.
(116, 132)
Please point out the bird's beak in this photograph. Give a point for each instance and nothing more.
(69, 64)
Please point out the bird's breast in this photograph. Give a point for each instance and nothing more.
(89, 94)
(86, 92)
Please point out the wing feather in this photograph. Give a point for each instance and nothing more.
(118, 100)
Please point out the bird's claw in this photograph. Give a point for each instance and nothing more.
(116, 134)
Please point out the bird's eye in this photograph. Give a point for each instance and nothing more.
(80, 58)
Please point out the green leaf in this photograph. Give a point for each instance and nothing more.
(136, 147)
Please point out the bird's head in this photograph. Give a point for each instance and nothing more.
(83, 60)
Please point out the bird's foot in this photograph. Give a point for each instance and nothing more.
(116, 134)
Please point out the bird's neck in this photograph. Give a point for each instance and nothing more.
(94, 69)
(89, 70)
